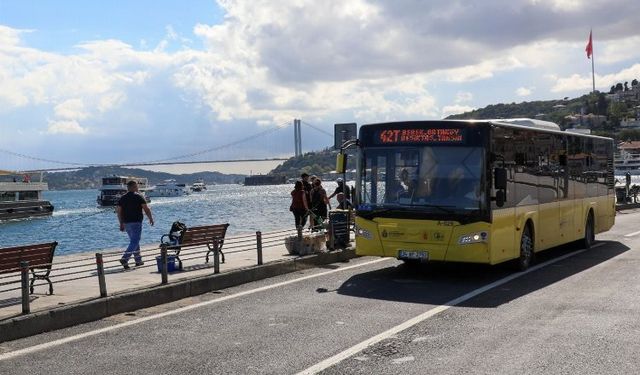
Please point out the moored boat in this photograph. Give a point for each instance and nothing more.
(198, 186)
(168, 188)
(113, 187)
(22, 199)
(628, 158)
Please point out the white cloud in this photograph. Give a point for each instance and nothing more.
(463, 96)
(171, 33)
(613, 51)
(577, 82)
(560, 4)
(523, 91)
(262, 67)
(71, 109)
(109, 101)
(483, 70)
(366, 60)
(455, 109)
(65, 127)
(9, 36)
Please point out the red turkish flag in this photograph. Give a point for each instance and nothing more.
(589, 48)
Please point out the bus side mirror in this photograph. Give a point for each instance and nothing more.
(500, 184)
(500, 179)
(341, 163)
(563, 160)
(501, 196)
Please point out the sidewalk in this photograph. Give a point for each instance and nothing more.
(119, 280)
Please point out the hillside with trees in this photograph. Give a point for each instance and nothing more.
(317, 163)
(626, 107)
(549, 110)
(91, 177)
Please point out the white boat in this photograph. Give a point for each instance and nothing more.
(113, 187)
(22, 198)
(169, 188)
(198, 186)
(628, 160)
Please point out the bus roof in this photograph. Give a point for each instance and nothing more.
(515, 123)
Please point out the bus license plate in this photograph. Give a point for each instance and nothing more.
(413, 254)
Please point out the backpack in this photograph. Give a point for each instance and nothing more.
(177, 228)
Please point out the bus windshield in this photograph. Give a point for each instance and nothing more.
(431, 178)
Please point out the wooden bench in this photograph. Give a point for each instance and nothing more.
(39, 256)
(210, 235)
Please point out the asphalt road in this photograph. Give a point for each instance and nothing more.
(576, 313)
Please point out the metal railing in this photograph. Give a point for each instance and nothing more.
(108, 262)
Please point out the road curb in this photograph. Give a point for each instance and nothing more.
(627, 206)
(99, 308)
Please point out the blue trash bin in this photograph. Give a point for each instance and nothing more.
(171, 263)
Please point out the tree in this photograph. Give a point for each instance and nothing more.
(602, 104)
(608, 128)
(316, 169)
(626, 86)
(629, 135)
(613, 90)
(634, 82)
(619, 86)
(617, 112)
(306, 169)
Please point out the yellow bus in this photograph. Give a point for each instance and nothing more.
(484, 191)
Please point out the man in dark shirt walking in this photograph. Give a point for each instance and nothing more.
(130, 207)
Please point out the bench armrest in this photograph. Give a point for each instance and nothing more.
(162, 239)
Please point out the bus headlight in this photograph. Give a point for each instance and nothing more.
(473, 238)
(364, 233)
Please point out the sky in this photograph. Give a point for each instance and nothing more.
(130, 81)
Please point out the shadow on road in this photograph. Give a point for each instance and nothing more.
(439, 283)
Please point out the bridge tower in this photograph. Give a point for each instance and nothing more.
(297, 137)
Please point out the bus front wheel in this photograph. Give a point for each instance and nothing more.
(526, 250)
(589, 233)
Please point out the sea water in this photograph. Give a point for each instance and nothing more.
(78, 225)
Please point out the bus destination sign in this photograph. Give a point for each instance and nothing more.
(438, 135)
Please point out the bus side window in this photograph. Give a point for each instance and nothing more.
(503, 157)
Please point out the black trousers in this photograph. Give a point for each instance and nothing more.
(300, 216)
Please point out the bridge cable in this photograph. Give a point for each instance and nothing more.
(317, 129)
(29, 157)
(260, 134)
(217, 148)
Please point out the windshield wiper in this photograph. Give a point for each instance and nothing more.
(370, 213)
(399, 207)
(440, 207)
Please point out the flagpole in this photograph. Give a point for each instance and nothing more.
(593, 75)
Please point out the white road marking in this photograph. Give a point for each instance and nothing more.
(398, 361)
(80, 336)
(632, 234)
(426, 315)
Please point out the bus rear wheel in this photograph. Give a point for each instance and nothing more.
(526, 250)
(589, 233)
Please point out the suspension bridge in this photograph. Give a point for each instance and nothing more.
(251, 148)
